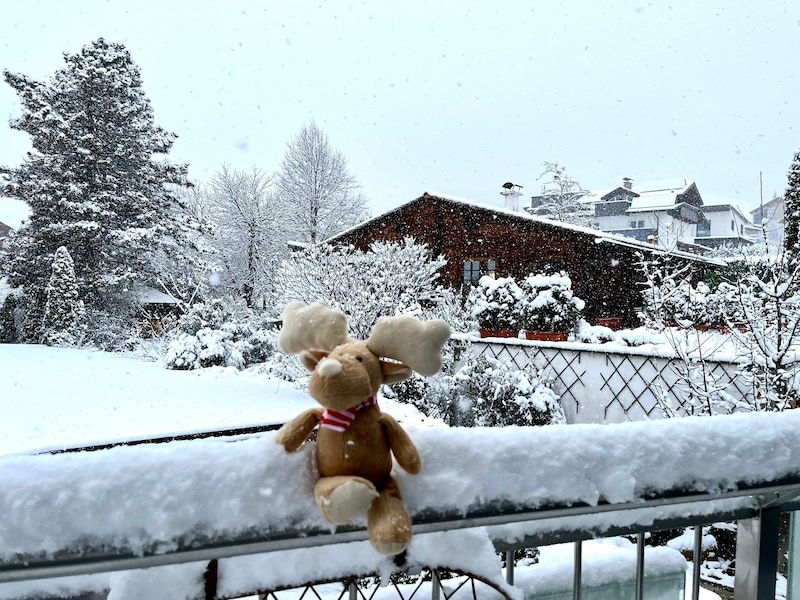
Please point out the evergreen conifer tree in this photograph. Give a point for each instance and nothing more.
(791, 240)
(63, 311)
(8, 325)
(95, 181)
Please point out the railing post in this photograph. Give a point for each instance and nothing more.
(697, 561)
(577, 570)
(510, 567)
(435, 585)
(757, 556)
(639, 566)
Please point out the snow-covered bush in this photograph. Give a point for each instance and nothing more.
(391, 278)
(549, 304)
(679, 302)
(496, 394)
(435, 396)
(218, 334)
(495, 303)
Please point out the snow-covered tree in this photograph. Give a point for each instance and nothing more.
(248, 234)
(320, 195)
(63, 312)
(791, 239)
(390, 278)
(9, 328)
(561, 197)
(96, 180)
(769, 304)
(673, 304)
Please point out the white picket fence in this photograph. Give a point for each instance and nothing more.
(602, 385)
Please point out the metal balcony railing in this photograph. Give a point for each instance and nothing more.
(754, 502)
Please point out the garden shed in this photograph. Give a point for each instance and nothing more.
(481, 239)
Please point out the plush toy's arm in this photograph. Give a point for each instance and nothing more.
(402, 447)
(295, 432)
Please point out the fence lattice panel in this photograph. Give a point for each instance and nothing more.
(598, 385)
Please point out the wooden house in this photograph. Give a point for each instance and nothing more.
(478, 239)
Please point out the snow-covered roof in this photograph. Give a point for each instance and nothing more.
(657, 194)
(13, 212)
(600, 236)
(148, 295)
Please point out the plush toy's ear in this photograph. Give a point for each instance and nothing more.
(394, 372)
(310, 358)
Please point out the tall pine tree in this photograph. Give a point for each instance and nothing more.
(63, 312)
(791, 228)
(97, 180)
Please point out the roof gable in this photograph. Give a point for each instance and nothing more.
(454, 202)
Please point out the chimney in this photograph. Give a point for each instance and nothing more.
(627, 183)
(511, 192)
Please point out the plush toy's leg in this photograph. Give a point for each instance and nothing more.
(388, 522)
(344, 497)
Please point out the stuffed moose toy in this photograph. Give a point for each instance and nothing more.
(355, 441)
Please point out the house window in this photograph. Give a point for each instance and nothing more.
(475, 269)
(704, 228)
(472, 271)
(637, 224)
(733, 225)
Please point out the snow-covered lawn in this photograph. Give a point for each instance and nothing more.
(55, 398)
(66, 397)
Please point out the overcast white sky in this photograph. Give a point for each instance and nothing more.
(456, 97)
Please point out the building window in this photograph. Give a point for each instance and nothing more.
(733, 225)
(637, 224)
(704, 228)
(475, 269)
(472, 271)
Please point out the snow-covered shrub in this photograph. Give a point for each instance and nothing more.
(391, 278)
(678, 302)
(723, 306)
(549, 304)
(495, 303)
(218, 334)
(435, 396)
(497, 394)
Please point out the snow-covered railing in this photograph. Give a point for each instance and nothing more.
(169, 504)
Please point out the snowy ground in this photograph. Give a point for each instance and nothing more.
(56, 398)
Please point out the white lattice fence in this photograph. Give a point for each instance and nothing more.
(601, 386)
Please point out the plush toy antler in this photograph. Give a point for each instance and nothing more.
(311, 327)
(411, 341)
(356, 441)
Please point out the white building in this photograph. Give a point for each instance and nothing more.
(671, 214)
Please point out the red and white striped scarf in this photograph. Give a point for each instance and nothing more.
(339, 420)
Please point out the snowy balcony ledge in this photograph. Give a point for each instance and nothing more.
(143, 506)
